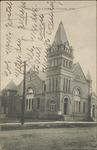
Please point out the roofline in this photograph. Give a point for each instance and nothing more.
(81, 70)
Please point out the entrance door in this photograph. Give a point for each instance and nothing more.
(65, 106)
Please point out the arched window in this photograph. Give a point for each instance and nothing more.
(56, 62)
(29, 98)
(66, 63)
(77, 97)
(30, 90)
(52, 105)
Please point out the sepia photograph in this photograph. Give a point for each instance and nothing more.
(48, 87)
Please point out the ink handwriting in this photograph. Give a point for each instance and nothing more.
(8, 43)
(18, 66)
(8, 71)
(29, 53)
(19, 48)
(21, 15)
(47, 43)
(34, 25)
(9, 11)
(51, 18)
(37, 29)
(41, 27)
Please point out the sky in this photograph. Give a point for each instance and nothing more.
(79, 20)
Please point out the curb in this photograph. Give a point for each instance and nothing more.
(45, 125)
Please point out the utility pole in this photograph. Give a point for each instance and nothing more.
(23, 100)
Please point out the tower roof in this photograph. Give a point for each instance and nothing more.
(11, 86)
(88, 76)
(60, 37)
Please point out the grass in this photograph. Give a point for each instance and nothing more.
(50, 139)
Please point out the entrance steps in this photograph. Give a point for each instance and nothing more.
(68, 118)
(75, 118)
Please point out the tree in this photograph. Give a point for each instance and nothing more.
(4, 100)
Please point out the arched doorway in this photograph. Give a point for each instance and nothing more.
(65, 106)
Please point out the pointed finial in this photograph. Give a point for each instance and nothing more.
(61, 22)
(88, 76)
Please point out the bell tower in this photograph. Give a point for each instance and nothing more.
(59, 66)
(59, 58)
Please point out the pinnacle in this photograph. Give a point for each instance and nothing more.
(88, 76)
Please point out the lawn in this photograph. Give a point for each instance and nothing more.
(50, 139)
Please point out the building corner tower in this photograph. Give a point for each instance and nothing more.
(59, 75)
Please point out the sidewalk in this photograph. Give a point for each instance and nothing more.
(36, 125)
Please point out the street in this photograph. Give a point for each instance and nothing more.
(77, 138)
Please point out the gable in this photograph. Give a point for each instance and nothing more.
(11, 86)
(78, 74)
(31, 79)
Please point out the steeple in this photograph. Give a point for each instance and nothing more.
(60, 53)
(60, 37)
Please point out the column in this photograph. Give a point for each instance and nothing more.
(91, 111)
(74, 106)
(95, 110)
(31, 105)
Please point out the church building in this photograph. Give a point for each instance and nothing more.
(63, 92)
